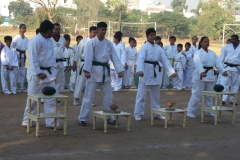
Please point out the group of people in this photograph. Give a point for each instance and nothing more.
(95, 62)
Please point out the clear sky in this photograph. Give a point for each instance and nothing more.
(192, 4)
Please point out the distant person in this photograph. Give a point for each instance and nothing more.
(188, 72)
(78, 40)
(158, 39)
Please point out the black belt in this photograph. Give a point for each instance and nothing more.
(207, 69)
(60, 60)
(230, 64)
(46, 68)
(104, 65)
(20, 54)
(154, 65)
(82, 60)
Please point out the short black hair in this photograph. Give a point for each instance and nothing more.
(92, 28)
(131, 39)
(102, 25)
(56, 24)
(150, 30)
(37, 30)
(228, 40)
(158, 38)
(172, 37)
(7, 38)
(67, 37)
(160, 43)
(188, 44)
(21, 25)
(180, 45)
(45, 26)
(119, 33)
(79, 37)
(235, 36)
(118, 37)
(194, 37)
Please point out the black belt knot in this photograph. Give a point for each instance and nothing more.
(20, 54)
(154, 66)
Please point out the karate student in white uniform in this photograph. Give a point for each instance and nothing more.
(149, 70)
(120, 50)
(1, 47)
(98, 52)
(20, 43)
(230, 56)
(78, 40)
(9, 62)
(131, 55)
(41, 71)
(179, 67)
(203, 76)
(68, 54)
(58, 47)
(188, 72)
(194, 46)
(170, 51)
(80, 56)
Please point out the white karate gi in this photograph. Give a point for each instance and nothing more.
(80, 56)
(179, 67)
(203, 59)
(170, 51)
(193, 49)
(1, 47)
(99, 51)
(9, 58)
(59, 48)
(40, 55)
(154, 53)
(188, 72)
(131, 56)
(115, 81)
(231, 56)
(21, 44)
(69, 53)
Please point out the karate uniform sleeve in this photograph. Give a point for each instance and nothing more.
(88, 57)
(141, 59)
(15, 60)
(219, 65)
(1, 46)
(166, 64)
(14, 43)
(198, 62)
(123, 56)
(116, 61)
(3, 58)
(33, 49)
(223, 54)
(78, 52)
(183, 61)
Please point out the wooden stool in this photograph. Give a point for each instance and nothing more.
(38, 115)
(104, 115)
(218, 108)
(168, 115)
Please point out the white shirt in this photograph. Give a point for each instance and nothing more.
(69, 53)
(80, 54)
(75, 47)
(58, 48)
(170, 50)
(131, 55)
(206, 59)
(179, 61)
(41, 54)
(100, 51)
(193, 48)
(152, 52)
(230, 55)
(120, 50)
(20, 43)
(8, 57)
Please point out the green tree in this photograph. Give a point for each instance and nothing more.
(179, 5)
(1, 19)
(198, 9)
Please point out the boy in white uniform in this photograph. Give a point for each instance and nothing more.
(120, 50)
(230, 56)
(188, 72)
(58, 47)
(179, 67)
(41, 71)
(80, 56)
(9, 62)
(99, 51)
(170, 51)
(131, 55)
(20, 43)
(148, 69)
(78, 40)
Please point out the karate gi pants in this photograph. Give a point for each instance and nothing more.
(141, 98)
(91, 87)
(187, 77)
(198, 87)
(12, 74)
(73, 78)
(128, 78)
(35, 88)
(65, 78)
(80, 82)
(232, 81)
(116, 82)
(21, 75)
(178, 80)
(59, 78)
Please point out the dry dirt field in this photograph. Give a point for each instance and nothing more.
(144, 142)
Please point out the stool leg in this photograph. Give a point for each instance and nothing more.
(128, 122)
(202, 116)
(37, 128)
(184, 118)
(215, 119)
(105, 124)
(65, 126)
(166, 120)
(116, 122)
(94, 122)
(28, 125)
(152, 118)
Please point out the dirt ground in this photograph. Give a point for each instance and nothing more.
(196, 141)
